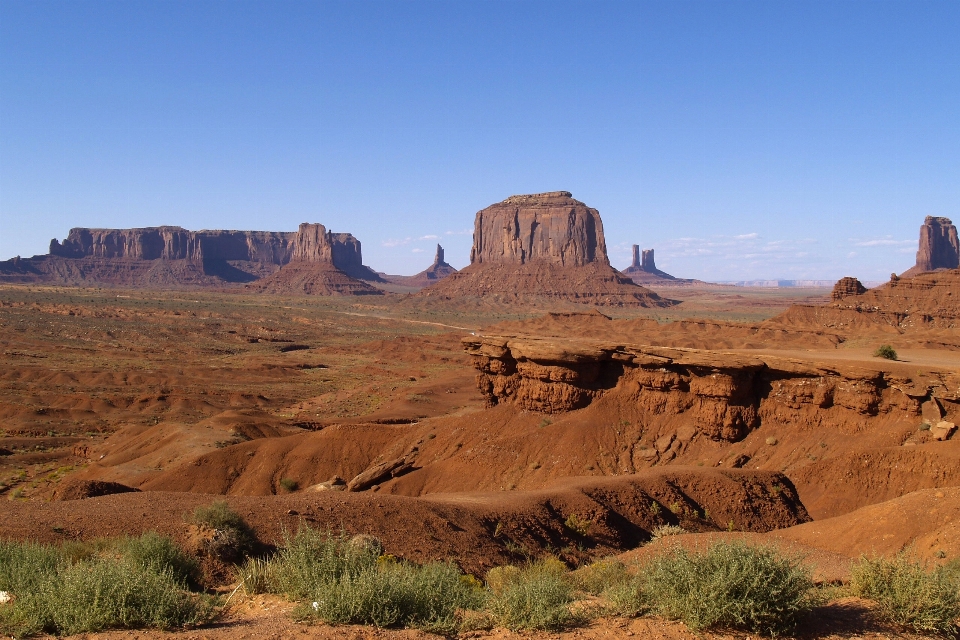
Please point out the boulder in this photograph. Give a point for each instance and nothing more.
(943, 430)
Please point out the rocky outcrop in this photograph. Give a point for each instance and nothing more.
(846, 287)
(726, 396)
(939, 247)
(542, 227)
(544, 245)
(902, 305)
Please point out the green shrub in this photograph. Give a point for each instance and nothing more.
(160, 554)
(730, 585)
(885, 351)
(391, 594)
(288, 484)
(58, 596)
(909, 594)
(535, 597)
(219, 516)
(627, 598)
(311, 559)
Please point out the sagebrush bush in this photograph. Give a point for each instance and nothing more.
(909, 594)
(885, 351)
(161, 554)
(397, 594)
(534, 597)
(312, 558)
(730, 585)
(236, 539)
(600, 576)
(52, 593)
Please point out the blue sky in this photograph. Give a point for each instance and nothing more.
(741, 140)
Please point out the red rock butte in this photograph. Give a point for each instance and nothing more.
(548, 245)
(939, 247)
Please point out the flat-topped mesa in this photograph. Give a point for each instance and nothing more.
(846, 287)
(175, 243)
(543, 227)
(545, 247)
(939, 247)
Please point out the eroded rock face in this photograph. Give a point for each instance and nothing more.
(847, 287)
(939, 246)
(175, 243)
(548, 227)
(726, 396)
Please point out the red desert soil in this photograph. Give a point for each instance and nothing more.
(753, 419)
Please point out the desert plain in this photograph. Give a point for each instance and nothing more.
(535, 404)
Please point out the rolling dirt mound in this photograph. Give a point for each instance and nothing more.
(476, 530)
(688, 334)
(926, 522)
(592, 283)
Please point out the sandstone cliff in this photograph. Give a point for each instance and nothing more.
(176, 243)
(547, 227)
(725, 395)
(545, 245)
(939, 247)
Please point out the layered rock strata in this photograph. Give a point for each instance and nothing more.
(543, 227)
(546, 245)
(939, 247)
(722, 396)
(846, 287)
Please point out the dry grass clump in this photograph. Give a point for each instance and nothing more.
(534, 597)
(909, 594)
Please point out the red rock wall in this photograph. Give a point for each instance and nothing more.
(545, 227)
(727, 396)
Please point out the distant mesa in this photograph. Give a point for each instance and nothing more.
(643, 270)
(546, 245)
(939, 247)
(431, 275)
(847, 287)
(170, 256)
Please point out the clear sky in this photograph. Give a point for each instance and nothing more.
(741, 140)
